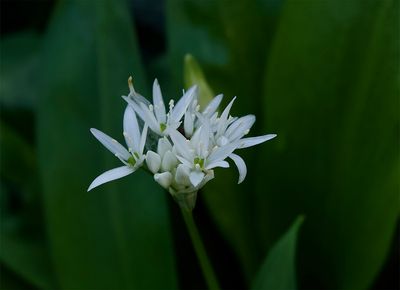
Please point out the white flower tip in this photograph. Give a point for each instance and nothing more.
(196, 177)
(164, 179)
(169, 161)
(153, 161)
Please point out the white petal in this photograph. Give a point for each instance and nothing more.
(163, 146)
(252, 141)
(241, 166)
(111, 144)
(181, 144)
(196, 177)
(158, 103)
(169, 161)
(188, 124)
(110, 175)
(131, 129)
(164, 179)
(184, 161)
(222, 152)
(182, 104)
(204, 138)
(212, 106)
(238, 128)
(153, 161)
(135, 106)
(182, 175)
(150, 119)
(143, 139)
(223, 120)
(222, 164)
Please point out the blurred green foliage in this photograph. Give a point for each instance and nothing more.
(323, 75)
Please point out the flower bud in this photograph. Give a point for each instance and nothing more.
(164, 179)
(153, 161)
(169, 161)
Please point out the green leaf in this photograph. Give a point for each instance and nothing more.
(278, 271)
(331, 95)
(11, 281)
(118, 235)
(26, 253)
(18, 69)
(24, 247)
(193, 75)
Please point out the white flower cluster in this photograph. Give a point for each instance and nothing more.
(183, 159)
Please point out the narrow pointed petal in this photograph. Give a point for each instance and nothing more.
(110, 175)
(181, 106)
(222, 152)
(184, 161)
(164, 179)
(241, 166)
(252, 141)
(196, 177)
(135, 106)
(158, 103)
(143, 139)
(150, 119)
(131, 129)
(223, 120)
(111, 144)
(212, 107)
(188, 123)
(239, 127)
(153, 161)
(222, 164)
(202, 145)
(181, 144)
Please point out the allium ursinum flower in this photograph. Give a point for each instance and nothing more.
(155, 114)
(185, 155)
(132, 158)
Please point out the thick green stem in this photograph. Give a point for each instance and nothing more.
(200, 250)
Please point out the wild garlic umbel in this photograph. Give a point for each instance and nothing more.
(191, 142)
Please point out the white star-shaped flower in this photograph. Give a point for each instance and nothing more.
(132, 158)
(155, 114)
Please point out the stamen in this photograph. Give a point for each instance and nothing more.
(197, 108)
(171, 105)
(151, 108)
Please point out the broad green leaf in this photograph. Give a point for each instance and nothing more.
(331, 95)
(10, 281)
(278, 271)
(118, 235)
(18, 69)
(24, 247)
(26, 253)
(193, 75)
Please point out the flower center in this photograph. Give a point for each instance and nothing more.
(199, 161)
(163, 127)
(132, 160)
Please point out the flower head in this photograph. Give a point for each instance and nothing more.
(185, 156)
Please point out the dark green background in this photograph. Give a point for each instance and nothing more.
(322, 74)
